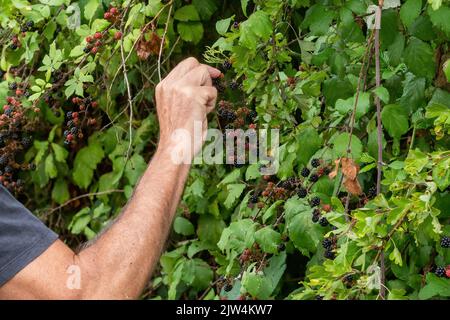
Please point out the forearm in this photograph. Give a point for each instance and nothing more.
(120, 262)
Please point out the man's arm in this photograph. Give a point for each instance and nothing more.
(118, 264)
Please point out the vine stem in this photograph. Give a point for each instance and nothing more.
(163, 40)
(379, 135)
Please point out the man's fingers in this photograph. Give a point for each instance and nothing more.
(213, 72)
(182, 69)
(198, 77)
(209, 94)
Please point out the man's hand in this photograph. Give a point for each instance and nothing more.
(184, 98)
(118, 264)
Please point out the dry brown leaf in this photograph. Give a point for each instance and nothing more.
(145, 48)
(349, 168)
(353, 186)
(334, 173)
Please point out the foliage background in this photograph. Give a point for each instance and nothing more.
(308, 68)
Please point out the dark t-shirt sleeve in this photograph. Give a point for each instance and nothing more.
(23, 237)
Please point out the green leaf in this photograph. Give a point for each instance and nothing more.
(419, 58)
(409, 11)
(85, 162)
(210, 229)
(206, 8)
(238, 236)
(318, 18)
(60, 191)
(61, 154)
(197, 274)
(304, 234)
(395, 120)
(440, 18)
(234, 192)
(272, 211)
(435, 287)
(190, 31)
(50, 167)
(256, 285)
(252, 172)
(80, 221)
(413, 96)
(187, 13)
(223, 25)
(382, 93)
(341, 143)
(183, 226)
(415, 162)
(396, 257)
(244, 5)
(90, 8)
(268, 239)
(258, 26)
(446, 68)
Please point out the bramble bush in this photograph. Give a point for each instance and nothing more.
(359, 206)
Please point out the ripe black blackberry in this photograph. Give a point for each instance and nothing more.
(281, 247)
(23, 29)
(86, 50)
(305, 172)
(315, 163)
(252, 115)
(445, 242)
(27, 94)
(329, 254)
(314, 178)
(13, 46)
(4, 160)
(9, 169)
(302, 192)
(372, 192)
(235, 24)
(231, 116)
(70, 123)
(315, 201)
(30, 24)
(315, 215)
(323, 222)
(254, 198)
(13, 86)
(74, 130)
(1, 73)
(69, 114)
(227, 65)
(327, 243)
(439, 271)
(228, 287)
(26, 142)
(234, 85)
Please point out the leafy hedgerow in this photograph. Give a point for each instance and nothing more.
(78, 76)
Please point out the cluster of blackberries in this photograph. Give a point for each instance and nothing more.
(227, 65)
(318, 218)
(348, 280)
(372, 192)
(289, 184)
(442, 271)
(74, 122)
(28, 26)
(445, 242)
(228, 115)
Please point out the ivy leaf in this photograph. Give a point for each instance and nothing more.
(419, 58)
(395, 120)
(183, 226)
(234, 192)
(268, 239)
